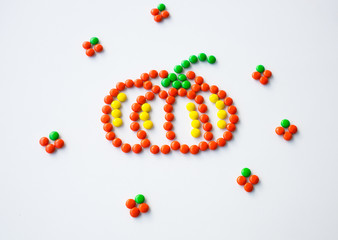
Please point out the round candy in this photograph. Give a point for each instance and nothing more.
(148, 124)
(182, 77)
(248, 187)
(165, 149)
(195, 133)
(165, 82)
(264, 80)
(116, 104)
(287, 136)
(122, 97)
(280, 130)
(146, 107)
(194, 149)
(161, 7)
(94, 40)
(256, 75)
(116, 113)
(130, 203)
(165, 14)
(254, 179)
(158, 18)
(54, 135)
(177, 84)
(134, 126)
(178, 68)
(172, 77)
(126, 147)
(211, 59)
(44, 141)
(145, 143)
(137, 148)
(175, 145)
(267, 73)
(90, 52)
(98, 48)
(190, 107)
(293, 129)
(134, 212)
(184, 148)
(193, 59)
(221, 124)
(213, 98)
(170, 135)
(241, 180)
(285, 123)
(193, 115)
(220, 104)
(195, 124)
(143, 207)
(221, 114)
(154, 149)
(185, 63)
(202, 57)
(86, 45)
(260, 68)
(117, 122)
(154, 11)
(50, 148)
(144, 116)
(59, 143)
(246, 172)
(186, 84)
(139, 198)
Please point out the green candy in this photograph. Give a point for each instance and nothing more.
(202, 57)
(94, 40)
(177, 84)
(172, 77)
(211, 59)
(260, 68)
(193, 59)
(165, 82)
(178, 68)
(185, 63)
(246, 172)
(54, 135)
(139, 198)
(161, 7)
(186, 84)
(182, 77)
(285, 123)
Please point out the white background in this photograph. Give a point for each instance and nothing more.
(48, 83)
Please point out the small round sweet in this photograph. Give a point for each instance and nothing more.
(172, 92)
(94, 40)
(116, 113)
(293, 129)
(134, 212)
(138, 83)
(211, 59)
(248, 187)
(141, 99)
(193, 115)
(279, 130)
(146, 107)
(54, 135)
(264, 80)
(130, 203)
(199, 80)
(134, 126)
(175, 145)
(143, 207)
(204, 118)
(190, 106)
(50, 148)
(193, 59)
(117, 122)
(191, 94)
(182, 77)
(254, 179)
(195, 132)
(117, 142)
(147, 85)
(220, 104)
(163, 74)
(221, 142)
(227, 136)
(149, 96)
(207, 126)
(165, 14)
(154, 11)
(195, 124)
(205, 87)
(86, 45)
(285, 123)
(185, 63)
(108, 99)
(113, 92)
(154, 149)
(110, 136)
(184, 148)
(170, 100)
(214, 89)
(196, 87)
(153, 73)
(161, 7)
(208, 136)
(126, 147)
(177, 84)
(169, 117)
(170, 135)
(178, 69)
(165, 149)
(213, 145)
(141, 134)
(186, 84)
(267, 73)
(168, 108)
(116, 104)
(287, 136)
(139, 198)
(202, 57)
(241, 180)
(213, 98)
(167, 126)
(199, 99)
(190, 75)
(158, 18)
(231, 127)
(145, 143)
(232, 109)
(90, 52)
(256, 75)
(233, 118)
(228, 101)
(221, 124)
(202, 108)
(120, 86)
(221, 94)
(260, 68)
(134, 116)
(43, 141)
(108, 127)
(98, 48)
(59, 143)
(194, 149)
(165, 82)
(203, 146)
(222, 114)
(246, 172)
(156, 89)
(172, 77)
(105, 118)
(137, 148)
(148, 124)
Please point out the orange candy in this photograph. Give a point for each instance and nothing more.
(184, 148)
(134, 126)
(170, 100)
(213, 89)
(129, 83)
(153, 73)
(208, 136)
(137, 148)
(163, 74)
(158, 18)
(232, 109)
(144, 76)
(145, 143)
(143, 207)
(280, 130)
(293, 129)
(106, 109)
(150, 96)
(199, 99)
(165, 14)
(231, 127)
(182, 92)
(203, 146)
(233, 118)
(190, 75)
(165, 149)
(107, 127)
(130, 203)
(163, 94)
(141, 134)
(44, 141)
(287, 136)
(169, 117)
(207, 126)
(205, 87)
(170, 135)
(194, 149)
(117, 142)
(264, 80)
(59, 143)
(254, 179)
(134, 116)
(134, 212)
(50, 148)
(202, 108)
(90, 52)
(213, 145)
(108, 99)
(241, 180)
(191, 94)
(120, 86)
(248, 187)
(156, 89)
(136, 107)
(154, 11)
(147, 85)
(172, 92)
(227, 136)
(175, 145)
(196, 87)
(204, 118)
(138, 83)
(98, 48)
(168, 126)
(86, 45)
(126, 148)
(141, 100)
(221, 142)
(113, 92)
(267, 73)
(221, 94)
(199, 80)
(228, 101)
(168, 108)
(110, 136)
(256, 75)
(154, 149)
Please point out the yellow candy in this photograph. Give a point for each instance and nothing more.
(117, 122)
(220, 104)
(221, 124)
(122, 97)
(115, 104)
(191, 107)
(195, 124)
(144, 116)
(195, 133)
(116, 113)
(148, 124)
(193, 115)
(213, 98)
(222, 114)
(146, 107)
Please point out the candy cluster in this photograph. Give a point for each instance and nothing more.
(134, 209)
(94, 41)
(159, 13)
(242, 180)
(285, 124)
(49, 147)
(262, 75)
